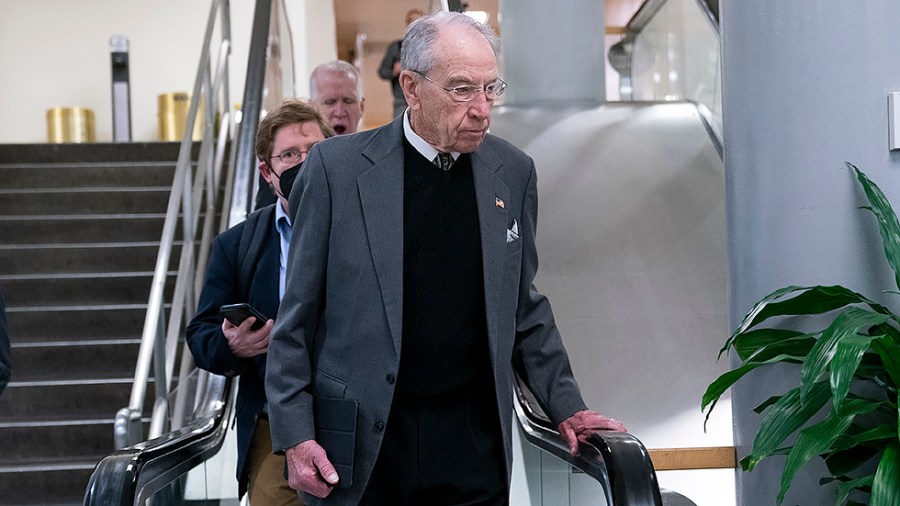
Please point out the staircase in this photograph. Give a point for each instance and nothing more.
(79, 232)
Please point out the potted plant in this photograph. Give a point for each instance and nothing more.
(845, 407)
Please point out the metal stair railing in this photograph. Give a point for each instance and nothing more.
(159, 341)
(196, 431)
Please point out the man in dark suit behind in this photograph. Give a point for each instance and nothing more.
(412, 293)
(246, 264)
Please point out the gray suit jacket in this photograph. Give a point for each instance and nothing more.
(338, 329)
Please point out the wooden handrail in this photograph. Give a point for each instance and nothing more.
(709, 457)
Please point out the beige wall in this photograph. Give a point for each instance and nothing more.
(379, 100)
(55, 53)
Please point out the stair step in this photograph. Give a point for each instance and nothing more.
(37, 444)
(101, 175)
(53, 402)
(26, 202)
(93, 153)
(28, 402)
(81, 229)
(60, 486)
(80, 226)
(80, 289)
(61, 360)
(47, 324)
(79, 258)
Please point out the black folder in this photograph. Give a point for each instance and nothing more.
(336, 433)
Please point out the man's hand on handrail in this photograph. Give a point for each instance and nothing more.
(578, 427)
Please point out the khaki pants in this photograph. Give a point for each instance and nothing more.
(267, 485)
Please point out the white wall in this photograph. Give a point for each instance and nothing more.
(55, 53)
(313, 26)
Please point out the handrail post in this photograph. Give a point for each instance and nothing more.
(162, 335)
(179, 200)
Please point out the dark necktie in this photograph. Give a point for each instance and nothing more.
(444, 160)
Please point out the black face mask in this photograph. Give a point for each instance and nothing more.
(286, 180)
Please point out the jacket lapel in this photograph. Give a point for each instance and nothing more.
(381, 197)
(493, 220)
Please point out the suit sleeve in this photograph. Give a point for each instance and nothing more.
(289, 365)
(392, 54)
(204, 334)
(539, 355)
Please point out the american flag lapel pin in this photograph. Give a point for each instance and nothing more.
(499, 202)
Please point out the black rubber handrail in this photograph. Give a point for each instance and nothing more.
(131, 475)
(617, 460)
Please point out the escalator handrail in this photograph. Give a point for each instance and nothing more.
(619, 55)
(131, 475)
(617, 460)
(648, 9)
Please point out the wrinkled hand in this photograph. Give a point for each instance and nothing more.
(246, 343)
(582, 424)
(309, 470)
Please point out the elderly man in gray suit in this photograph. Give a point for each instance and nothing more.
(410, 291)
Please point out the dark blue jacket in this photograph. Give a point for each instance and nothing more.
(226, 279)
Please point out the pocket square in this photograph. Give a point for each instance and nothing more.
(513, 232)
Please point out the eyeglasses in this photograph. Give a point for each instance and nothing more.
(291, 156)
(492, 90)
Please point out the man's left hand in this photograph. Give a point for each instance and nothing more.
(582, 424)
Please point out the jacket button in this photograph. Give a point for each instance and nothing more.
(390, 378)
(379, 426)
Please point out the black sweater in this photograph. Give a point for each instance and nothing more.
(445, 347)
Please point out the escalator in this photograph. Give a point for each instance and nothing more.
(175, 466)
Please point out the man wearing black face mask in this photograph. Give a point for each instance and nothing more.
(247, 264)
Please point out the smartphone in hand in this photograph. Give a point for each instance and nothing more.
(237, 313)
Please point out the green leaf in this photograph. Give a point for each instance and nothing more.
(748, 343)
(794, 350)
(784, 418)
(817, 438)
(844, 489)
(766, 403)
(750, 318)
(889, 351)
(842, 462)
(872, 368)
(815, 300)
(844, 326)
(724, 382)
(883, 432)
(888, 225)
(811, 300)
(886, 487)
(847, 356)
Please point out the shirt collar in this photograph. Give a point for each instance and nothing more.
(279, 214)
(420, 144)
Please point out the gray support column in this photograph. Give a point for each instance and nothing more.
(570, 70)
(805, 88)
